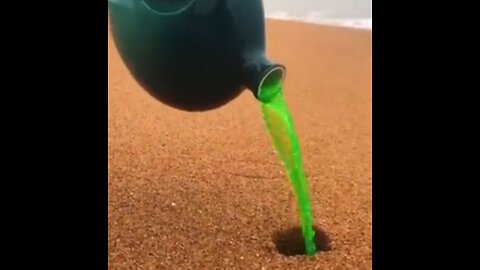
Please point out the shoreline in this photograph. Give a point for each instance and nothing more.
(339, 23)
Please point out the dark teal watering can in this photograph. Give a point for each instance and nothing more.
(193, 55)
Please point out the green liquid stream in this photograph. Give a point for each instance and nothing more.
(279, 123)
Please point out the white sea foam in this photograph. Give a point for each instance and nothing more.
(322, 18)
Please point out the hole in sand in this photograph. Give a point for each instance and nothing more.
(290, 242)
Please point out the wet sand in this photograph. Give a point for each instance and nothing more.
(205, 190)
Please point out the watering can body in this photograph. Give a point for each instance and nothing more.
(193, 55)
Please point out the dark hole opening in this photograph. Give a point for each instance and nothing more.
(290, 242)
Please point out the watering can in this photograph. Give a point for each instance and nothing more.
(194, 55)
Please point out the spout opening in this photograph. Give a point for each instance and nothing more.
(271, 84)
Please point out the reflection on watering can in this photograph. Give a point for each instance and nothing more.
(193, 55)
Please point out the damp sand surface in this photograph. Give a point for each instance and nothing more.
(206, 191)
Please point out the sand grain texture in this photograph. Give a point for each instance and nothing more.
(205, 190)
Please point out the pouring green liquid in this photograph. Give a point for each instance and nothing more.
(279, 123)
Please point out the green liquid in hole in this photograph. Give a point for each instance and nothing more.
(279, 123)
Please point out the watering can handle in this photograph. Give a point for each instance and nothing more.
(148, 4)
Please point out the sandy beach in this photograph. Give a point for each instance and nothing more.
(206, 191)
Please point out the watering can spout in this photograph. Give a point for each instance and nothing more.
(262, 75)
